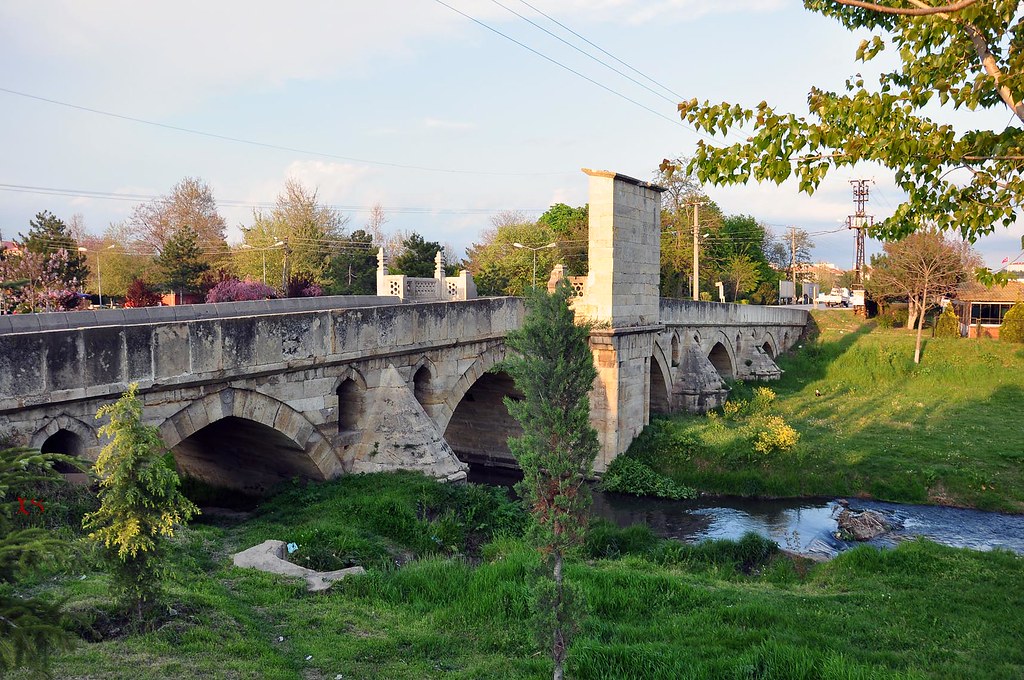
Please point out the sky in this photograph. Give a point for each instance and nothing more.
(407, 103)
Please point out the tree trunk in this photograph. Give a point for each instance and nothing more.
(920, 323)
(912, 310)
(558, 635)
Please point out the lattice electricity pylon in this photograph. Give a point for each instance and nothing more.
(860, 222)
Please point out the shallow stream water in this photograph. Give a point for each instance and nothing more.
(804, 526)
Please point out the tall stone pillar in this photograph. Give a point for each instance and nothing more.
(622, 299)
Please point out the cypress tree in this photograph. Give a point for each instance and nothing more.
(554, 369)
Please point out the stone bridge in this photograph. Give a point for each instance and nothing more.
(249, 394)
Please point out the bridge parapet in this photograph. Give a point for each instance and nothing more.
(694, 313)
(32, 323)
(100, 361)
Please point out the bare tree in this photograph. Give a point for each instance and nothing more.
(375, 222)
(508, 218)
(922, 266)
(77, 228)
(191, 204)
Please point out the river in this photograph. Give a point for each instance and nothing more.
(804, 526)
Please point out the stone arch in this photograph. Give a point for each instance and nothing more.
(423, 376)
(722, 360)
(277, 442)
(480, 425)
(660, 383)
(473, 418)
(66, 429)
(488, 358)
(350, 391)
(769, 346)
(677, 353)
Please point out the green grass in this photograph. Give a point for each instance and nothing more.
(947, 431)
(655, 608)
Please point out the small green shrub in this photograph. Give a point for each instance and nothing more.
(628, 475)
(1012, 329)
(947, 325)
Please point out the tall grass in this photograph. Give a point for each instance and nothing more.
(654, 608)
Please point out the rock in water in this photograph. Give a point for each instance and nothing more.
(863, 525)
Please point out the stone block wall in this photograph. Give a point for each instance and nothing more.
(624, 251)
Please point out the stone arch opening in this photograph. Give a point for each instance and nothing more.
(243, 455)
(676, 351)
(720, 359)
(767, 349)
(480, 426)
(659, 397)
(350, 405)
(421, 385)
(66, 442)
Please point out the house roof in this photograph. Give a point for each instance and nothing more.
(976, 292)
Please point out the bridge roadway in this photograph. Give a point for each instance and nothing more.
(248, 394)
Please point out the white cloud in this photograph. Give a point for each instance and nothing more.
(171, 54)
(192, 48)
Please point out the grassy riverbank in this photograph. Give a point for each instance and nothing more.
(947, 431)
(447, 596)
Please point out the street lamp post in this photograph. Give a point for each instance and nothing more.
(263, 251)
(534, 249)
(99, 270)
(696, 260)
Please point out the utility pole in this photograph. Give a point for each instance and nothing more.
(696, 250)
(859, 221)
(792, 257)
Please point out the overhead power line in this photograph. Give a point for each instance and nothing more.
(277, 147)
(678, 97)
(675, 97)
(585, 53)
(575, 72)
(107, 195)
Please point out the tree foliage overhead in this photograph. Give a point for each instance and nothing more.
(967, 55)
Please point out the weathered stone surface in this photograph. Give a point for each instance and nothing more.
(863, 525)
(269, 556)
(400, 435)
